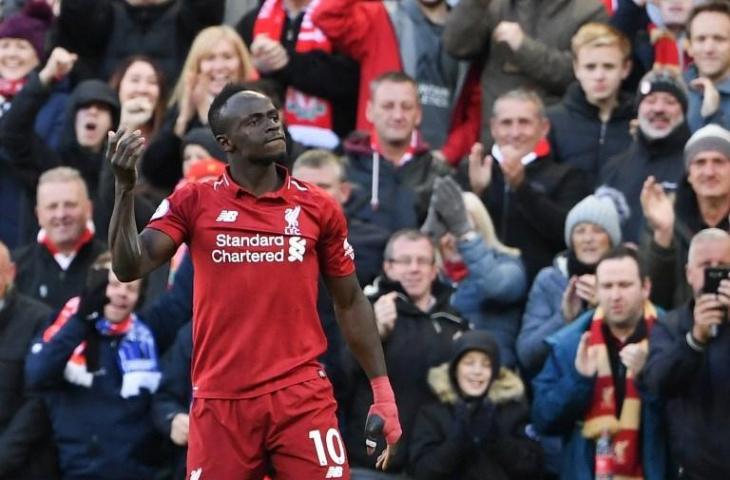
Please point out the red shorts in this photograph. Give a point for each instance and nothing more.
(293, 431)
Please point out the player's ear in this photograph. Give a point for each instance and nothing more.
(225, 143)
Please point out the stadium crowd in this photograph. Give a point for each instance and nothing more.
(537, 194)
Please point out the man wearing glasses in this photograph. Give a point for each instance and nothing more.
(416, 325)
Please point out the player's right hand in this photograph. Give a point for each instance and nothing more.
(124, 149)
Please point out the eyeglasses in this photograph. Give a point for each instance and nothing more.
(406, 261)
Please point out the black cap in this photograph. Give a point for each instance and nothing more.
(662, 80)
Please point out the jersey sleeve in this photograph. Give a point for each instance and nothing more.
(173, 216)
(336, 255)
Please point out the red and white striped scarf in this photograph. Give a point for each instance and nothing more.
(300, 108)
(602, 415)
(669, 52)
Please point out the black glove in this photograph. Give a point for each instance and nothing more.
(433, 226)
(449, 204)
(93, 296)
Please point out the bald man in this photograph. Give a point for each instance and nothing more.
(24, 450)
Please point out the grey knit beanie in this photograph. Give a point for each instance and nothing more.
(598, 210)
(708, 138)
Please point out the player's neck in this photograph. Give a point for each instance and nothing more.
(257, 179)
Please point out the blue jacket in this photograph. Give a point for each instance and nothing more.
(99, 434)
(542, 316)
(561, 397)
(490, 296)
(721, 117)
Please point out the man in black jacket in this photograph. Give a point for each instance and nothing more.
(591, 123)
(416, 327)
(528, 194)
(53, 268)
(658, 147)
(689, 365)
(25, 452)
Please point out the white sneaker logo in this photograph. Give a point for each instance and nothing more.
(334, 472)
(227, 216)
(349, 251)
(291, 215)
(297, 247)
(195, 474)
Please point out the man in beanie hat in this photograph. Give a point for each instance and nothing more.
(701, 201)
(475, 430)
(657, 148)
(709, 44)
(588, 385)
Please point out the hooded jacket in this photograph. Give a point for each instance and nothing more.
(579, 138)
(406, 187)
(382, 37)
(663, 158)
(441, 450)
(418, 341)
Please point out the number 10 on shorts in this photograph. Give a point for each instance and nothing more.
(335, 450)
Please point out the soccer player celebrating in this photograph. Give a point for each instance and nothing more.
(259, 240)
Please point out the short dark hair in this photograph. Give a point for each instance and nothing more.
(266, 87)
(623, 251)
(214, 113)
(714, 6)
(393, 77)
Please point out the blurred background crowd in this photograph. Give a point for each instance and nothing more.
(537, 192)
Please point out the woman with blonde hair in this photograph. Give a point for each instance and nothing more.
(490, 278)
(217, 57)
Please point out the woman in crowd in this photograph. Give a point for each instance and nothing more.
(475, 431)
(563, 291)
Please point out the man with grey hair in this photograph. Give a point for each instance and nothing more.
(53, 269)
(702, 200)
(689, 364)
(657, 147)
(25, 449)
(527, 193)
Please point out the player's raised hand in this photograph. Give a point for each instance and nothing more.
(382, 417)
(124, 149)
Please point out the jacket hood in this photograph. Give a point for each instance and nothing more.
(507, 387)
(359, 143)
(94, 90)
(575, 99)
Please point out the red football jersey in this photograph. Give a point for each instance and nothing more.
(257, 262)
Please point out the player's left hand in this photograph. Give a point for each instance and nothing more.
(383, 416)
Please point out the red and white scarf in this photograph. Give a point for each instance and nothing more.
(308, 118)
(602, 415)
(669, 52)
(65, 259)
(10, 88)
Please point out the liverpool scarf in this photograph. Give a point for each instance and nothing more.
(602, 414)
(305, 114)
(63, 259)
(136, 354)
(668, 51)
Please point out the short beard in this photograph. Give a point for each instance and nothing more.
(653, 134)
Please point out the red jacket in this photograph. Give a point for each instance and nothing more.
(363, 30)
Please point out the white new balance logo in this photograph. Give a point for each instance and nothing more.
(195, 474)
(334, 472)
(297, 247)
(227, 216)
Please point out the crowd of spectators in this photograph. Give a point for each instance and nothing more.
(537, 193)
